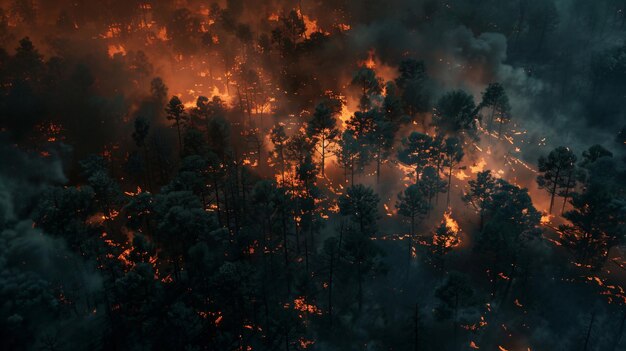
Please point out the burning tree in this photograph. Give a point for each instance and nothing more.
(445, 238)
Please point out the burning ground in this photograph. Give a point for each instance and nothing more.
(338, 175)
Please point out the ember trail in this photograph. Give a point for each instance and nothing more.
(336, 175)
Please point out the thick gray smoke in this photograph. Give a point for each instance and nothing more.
(49, 294)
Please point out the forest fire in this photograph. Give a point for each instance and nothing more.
(261, 175)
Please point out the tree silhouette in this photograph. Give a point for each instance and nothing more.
(512, 223)
(444, 240)
(495, 99)
(417, 151)
(555, 169)
(349, 155)
(455, 114)
(412, 204)
(594, 153)
(431, 184)
(453, 295)
(597, 218)
(453, 154)
(392, 106)
(413, 85)
(322, 129)
(359, 204)
(279, 138)
(361, 126)
(382, 138)
(176, 112)
(142, 127)
(366, 80)
(479, 193)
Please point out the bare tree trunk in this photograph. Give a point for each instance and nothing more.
(449, 186)
(180, 139)
(352, 172)
(323, 156)
(553, 191)
(416, 327)
(411, 238)
(360, 278)
(454, 321)
(306, 252)
(593, 317)
(620, 331)
(330, 287)
(285, 251)
(147, 160)
(378, 169)
(567, 187)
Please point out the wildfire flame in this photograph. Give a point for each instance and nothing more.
(116, 49)
(546, 218)
(451, 222)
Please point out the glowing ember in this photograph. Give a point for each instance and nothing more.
(300, 304)
(304, 343)
(130, 193)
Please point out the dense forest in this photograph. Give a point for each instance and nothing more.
(333, 175)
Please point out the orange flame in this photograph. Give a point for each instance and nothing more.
(116, 49)
(451, 222)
